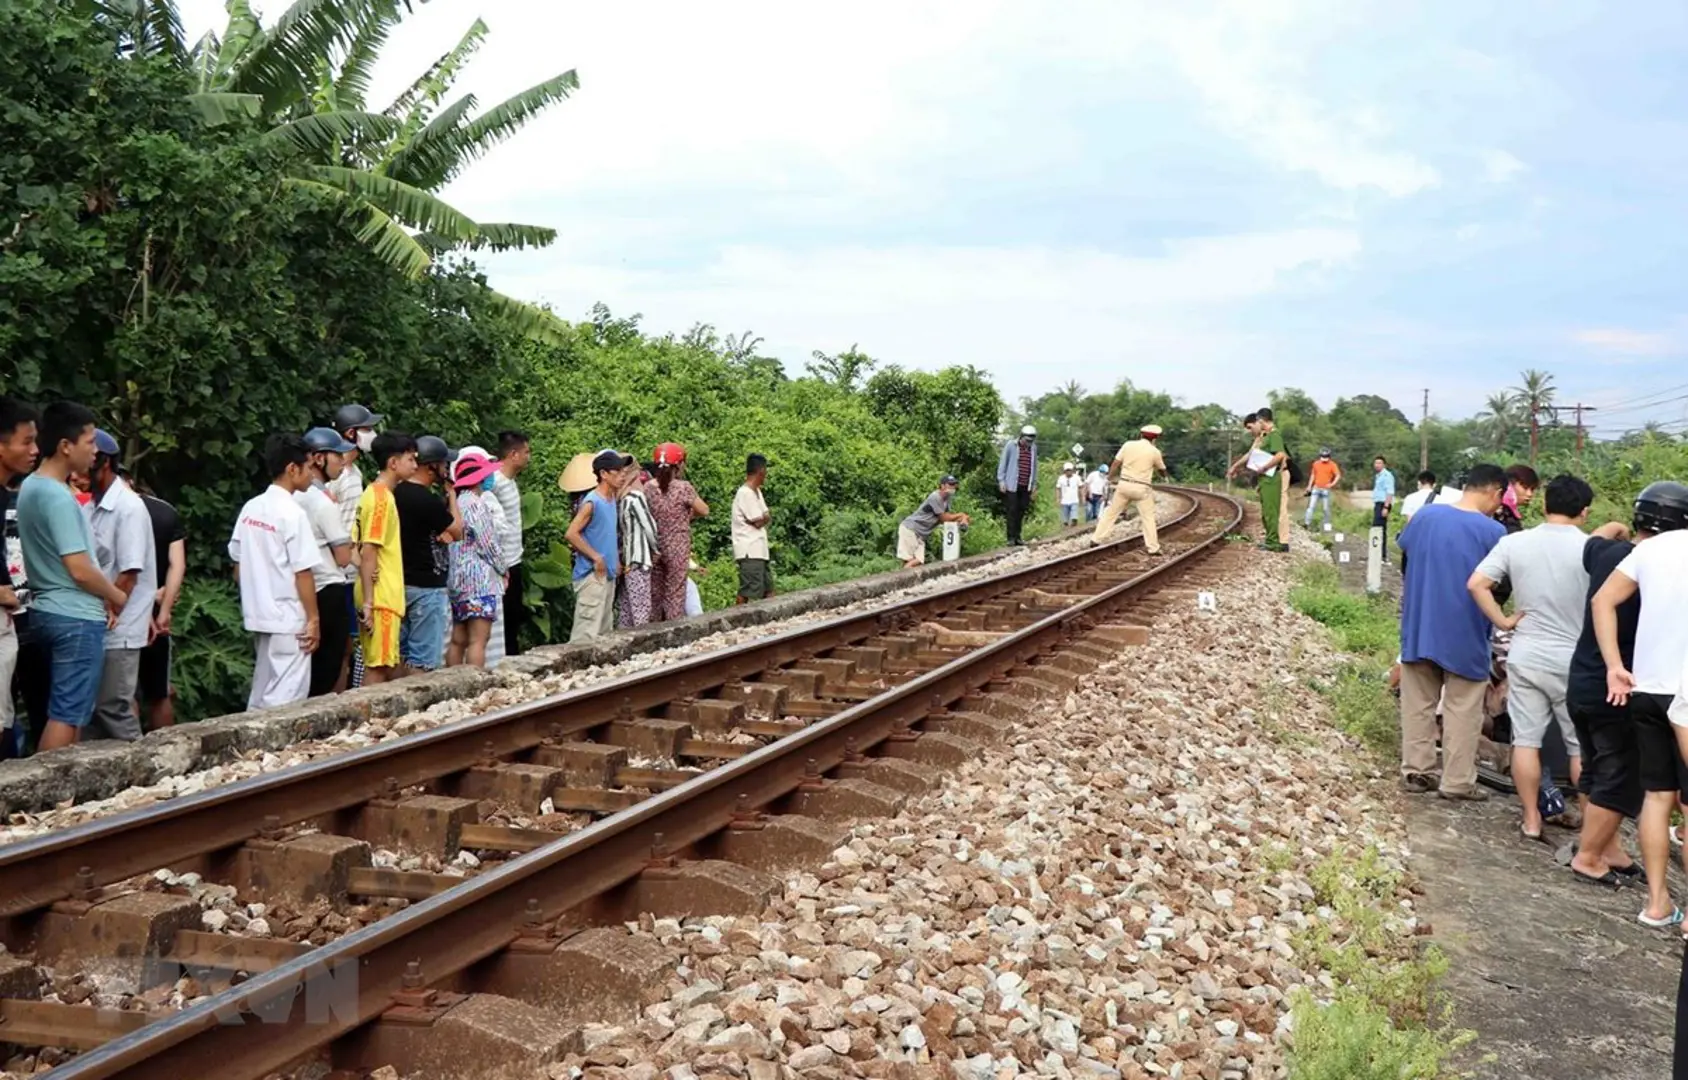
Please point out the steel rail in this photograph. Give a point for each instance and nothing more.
(454, 930)
(41, 870)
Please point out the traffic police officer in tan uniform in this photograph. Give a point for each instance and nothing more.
(1134, 467)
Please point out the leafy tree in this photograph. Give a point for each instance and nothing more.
(306, 77)
(842, 370)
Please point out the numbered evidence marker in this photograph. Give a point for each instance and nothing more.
(1342, 556)
(1327, 526)
(1206, 601)
(1337, 538)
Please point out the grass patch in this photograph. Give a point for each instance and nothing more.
(1364, 625)
(1386, 1019)
(1367, 629)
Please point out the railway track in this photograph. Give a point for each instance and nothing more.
(527, 836)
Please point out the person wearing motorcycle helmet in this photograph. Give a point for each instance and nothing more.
(428, 522)
(356, 424)
(1642, 684)
(328, 450)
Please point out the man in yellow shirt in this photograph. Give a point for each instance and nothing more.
(1134, 467)
(380, 587)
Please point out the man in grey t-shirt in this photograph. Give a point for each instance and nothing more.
(912, 533)
(1549, 595)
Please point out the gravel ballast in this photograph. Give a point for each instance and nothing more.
(1112, 892)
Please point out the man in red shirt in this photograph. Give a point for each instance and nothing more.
(1322, 479)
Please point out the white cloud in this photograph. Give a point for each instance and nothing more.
(1500, 166)
(1030, 315)
(1254, 86)
(1620, 342)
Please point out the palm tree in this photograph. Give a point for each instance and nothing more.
(1498, 415)
(1535, 397)
(307, 77)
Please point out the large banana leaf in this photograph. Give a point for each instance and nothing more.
(506, 236)
(389, 240)
(351, 83)
(280, 62)
(529, 320)
(410, 205)
(431, 85)
(150, 27)
(427, 154)
(215, 108)
(323, 135)
(505, 119)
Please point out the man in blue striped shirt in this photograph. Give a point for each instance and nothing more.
(1382, 499)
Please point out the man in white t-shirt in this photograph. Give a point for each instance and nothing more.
(1413, 503)
(1095, 492)
(274, 553)
(1549, 591)
(750, 533)
(1658, 571)
(1067, 487)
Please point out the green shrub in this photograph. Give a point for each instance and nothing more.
(1364, 625)
(212, 666)
(1352, 1038)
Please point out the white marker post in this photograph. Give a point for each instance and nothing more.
(1374, 560)
(952, 541)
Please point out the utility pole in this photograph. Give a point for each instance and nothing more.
(1230, 455)
(1580, 409)
(1424, 434)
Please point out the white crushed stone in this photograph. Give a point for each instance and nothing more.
(517, 689)
(1094, 898)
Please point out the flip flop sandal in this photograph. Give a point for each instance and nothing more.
(1609, 879)
(1633, 870)
(1675, 836)
(1534, 838)
(1673, 919)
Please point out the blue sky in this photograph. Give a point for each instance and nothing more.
(1209, 198)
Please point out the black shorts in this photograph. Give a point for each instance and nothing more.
(1611, 757)
(1661, 761)
(153, 682)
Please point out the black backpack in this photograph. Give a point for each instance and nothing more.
(1296, 476)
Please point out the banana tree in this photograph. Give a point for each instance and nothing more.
(307, 76)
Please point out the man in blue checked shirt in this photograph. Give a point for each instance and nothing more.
(1382, 499)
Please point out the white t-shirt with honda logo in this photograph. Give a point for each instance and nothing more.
(272, 542)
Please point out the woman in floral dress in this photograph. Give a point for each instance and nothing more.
(475, 579)
(674, 503)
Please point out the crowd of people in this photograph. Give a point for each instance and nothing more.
(340, 584)
(369, 556)
(1591, 655)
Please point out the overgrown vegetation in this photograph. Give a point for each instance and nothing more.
(1384, 1019)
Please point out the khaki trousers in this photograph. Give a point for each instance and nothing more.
(594, 608)
(1423, 684)
(1129, 491)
